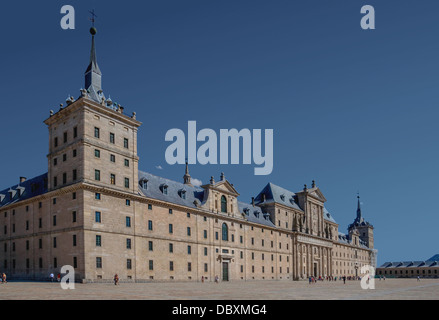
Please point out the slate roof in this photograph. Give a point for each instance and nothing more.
(155, 185)
(434, 258)
(255, 214)
(327, 216)
(25, 190)
(410, 264)
(276, 194)
(344, 238)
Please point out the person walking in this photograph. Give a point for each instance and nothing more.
(202, 279)
(4, 278)
(58, 277)
(344, 280)
(52, 277)
(116, 279)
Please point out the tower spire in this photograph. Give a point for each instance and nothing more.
(187, 176)
(358, 208)
(93, 75)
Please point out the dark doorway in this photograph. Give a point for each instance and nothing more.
(225, 271)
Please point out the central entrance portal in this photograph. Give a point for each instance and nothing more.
(225, 271)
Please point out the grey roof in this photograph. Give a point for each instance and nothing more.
(345, 238)
(193, 194)
(410, 264)
(25, 190)
(255, 214)
(276, 194)
(175, 190)
(434, 258)
(327, 216)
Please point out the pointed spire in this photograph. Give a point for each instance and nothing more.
(187, 176)
(358, 209)
(93, 82)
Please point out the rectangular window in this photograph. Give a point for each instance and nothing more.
(75, 262)
(40, 223)
(112, 179)
(129, 264)
(98, 262)
(189, 249)
(56, 142)
(170, 228)
(128, 243)
(97, 196)
(64, 178)
(54, 242)
(74, 195)
(189, 267)
(151, 265)
(97, 153)
(27, 224)
(55, 182)
(97, 133)
(171, 248)
(127, 163)
(170, 211)
(128, 222)
(205, 251)
(97, 175)
(127, 182)
(150, 225)
(111, 137)
(171, 265)
(55, 161)
(98, 216)
(149, 206)
(205, 267)
(205, 234)
(125, 143)
(188, 231)
(74, 240)
(40, 243)
(65, 137)
(98, 241)
(150, 246)
(75, 132)
(54, 220)
(112, 158)
(64, 157)
(128, 202)
(74, 153)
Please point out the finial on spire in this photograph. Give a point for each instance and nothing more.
(93, 75)
(313, 184)
(187, 176)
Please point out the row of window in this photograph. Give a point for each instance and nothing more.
(40, 263)
(40, 243)
(112, 137)
(97, 154)
(112, 178)
(65, 136)
(64, 178)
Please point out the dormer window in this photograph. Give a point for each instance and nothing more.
(183, 194)
(246, 211)
(282, 197)
(164, 188)
(143, 183)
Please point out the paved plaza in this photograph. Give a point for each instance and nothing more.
(252, 290)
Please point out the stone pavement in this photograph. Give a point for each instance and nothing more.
(251, 290)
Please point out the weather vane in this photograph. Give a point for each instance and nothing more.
(93, 16)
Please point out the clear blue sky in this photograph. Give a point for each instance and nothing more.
(355, 110)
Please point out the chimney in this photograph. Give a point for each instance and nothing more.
(253, 201)
(22, 179)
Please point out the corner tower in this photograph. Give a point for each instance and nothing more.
(364, 228)
(91, 139)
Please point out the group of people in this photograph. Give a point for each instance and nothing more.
(52, 277)
(313, 279)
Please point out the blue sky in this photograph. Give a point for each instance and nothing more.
(355, 110)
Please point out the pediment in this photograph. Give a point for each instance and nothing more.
(317, 194)
(223, 186)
